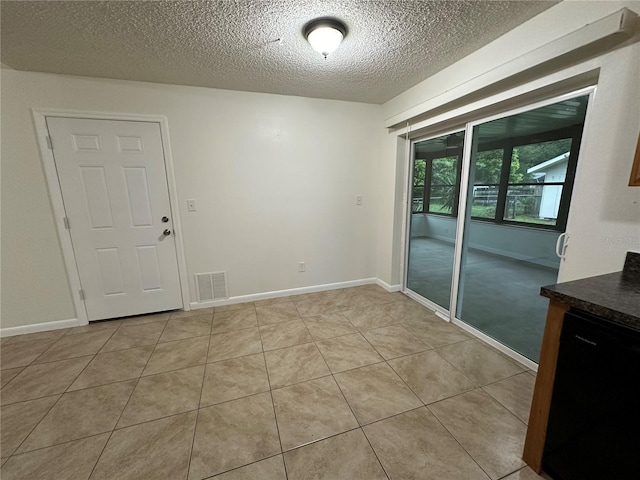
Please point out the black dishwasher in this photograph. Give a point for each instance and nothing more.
(594, 421)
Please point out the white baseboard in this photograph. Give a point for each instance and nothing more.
(282, 293)
(74, 322)
(387, 287)
(40, 327)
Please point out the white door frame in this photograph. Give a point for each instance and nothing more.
(55, 194)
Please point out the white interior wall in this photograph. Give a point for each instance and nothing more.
(244, 157)
(274, 177)
(604, 220)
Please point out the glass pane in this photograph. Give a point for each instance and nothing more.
(527, 157)
(524, 203)
(538, 172)
(433, 229)
(488, 166)
(419, 167)
(443, 192)
(504, 263)
(487, 170)
(484, 199)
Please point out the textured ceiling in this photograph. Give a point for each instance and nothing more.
(391, 45)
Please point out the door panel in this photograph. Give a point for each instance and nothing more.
(149, 267)
(139, 201)
(114, 187)
(432, 226)
(486, 267)
(515, 212)
(110, 271)
(96, 197)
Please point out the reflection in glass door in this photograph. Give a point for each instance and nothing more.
(513, 194)
(434, 205)
(517, 202)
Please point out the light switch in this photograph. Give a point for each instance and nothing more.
(191, 205)
(358, 199)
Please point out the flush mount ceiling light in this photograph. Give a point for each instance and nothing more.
(325, 34)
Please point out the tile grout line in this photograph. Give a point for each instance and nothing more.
(319, 440)
(475, 383)
(516, 471)
(93, 356)
(36, 425)
(67, 336)
(280, 387)
(123, 380)
(375, 453)
(189, 334)
(474, 387)
(127, 402)
(273, 403)
(271, 389)
(396, 373)
(456, 439)
(245, 465)
(358, 421)
(230, 314)
(392, 369)
(526, 424)
(61, 394)
(22, 370)
(54, 445)
(198, 408)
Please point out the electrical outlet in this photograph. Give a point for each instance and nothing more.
(191, 205)
(301, 267)
(358, 199)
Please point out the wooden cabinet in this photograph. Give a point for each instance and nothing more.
(634, 180)
(541, 403)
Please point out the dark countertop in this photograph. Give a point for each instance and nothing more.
(614, 296)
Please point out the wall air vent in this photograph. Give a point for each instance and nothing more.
(211, 286)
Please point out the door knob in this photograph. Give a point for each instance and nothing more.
(165, 219)
(167, 232)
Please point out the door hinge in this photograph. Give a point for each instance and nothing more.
(49, 142)
(81, 292)
(67, 225)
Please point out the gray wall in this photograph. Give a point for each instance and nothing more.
(522, 243)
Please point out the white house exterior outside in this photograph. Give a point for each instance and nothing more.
(554, 170)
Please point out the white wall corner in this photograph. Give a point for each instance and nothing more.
(41, 327)
(387, 287)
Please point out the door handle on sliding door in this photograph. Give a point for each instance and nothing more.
(561, 245)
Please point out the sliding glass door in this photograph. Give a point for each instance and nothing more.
(434, 206)
(513, 194)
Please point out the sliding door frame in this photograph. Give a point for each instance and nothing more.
(450, 315)
(442, 312)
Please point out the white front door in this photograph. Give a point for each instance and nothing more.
(114, 186)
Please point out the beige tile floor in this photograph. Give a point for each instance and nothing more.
(347, 384)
